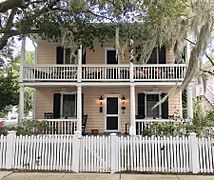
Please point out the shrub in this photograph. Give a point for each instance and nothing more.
(31, 127)
(3, 129)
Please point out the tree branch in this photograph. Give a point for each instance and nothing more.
(10, 4)
(9, 25)
(209, 58)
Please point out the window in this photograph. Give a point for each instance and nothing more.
(68, 109)
(151, 100)
(158, 55)
(111, 56)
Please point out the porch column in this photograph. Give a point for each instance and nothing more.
(79, 109)
(21, 103)
(21, 90)
(189, 101)
(79, 69)
(132, 129)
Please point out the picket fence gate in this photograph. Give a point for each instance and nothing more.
(107, 153)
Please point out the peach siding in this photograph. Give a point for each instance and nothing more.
(44, 103)
(91, 107)
(47, 54)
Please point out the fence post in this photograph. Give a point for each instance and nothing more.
(76, 151)
(11, 137)
(194, 152)
(114, 153)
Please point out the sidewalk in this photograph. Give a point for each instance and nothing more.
(9, 175)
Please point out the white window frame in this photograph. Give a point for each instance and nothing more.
(105, 111)
(61, 103)
(145, 102)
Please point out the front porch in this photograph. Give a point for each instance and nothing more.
(122, 109)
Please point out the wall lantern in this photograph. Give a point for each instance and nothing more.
(101, 103)
(123, 100)
(101, 100)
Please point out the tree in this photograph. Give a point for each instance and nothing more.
(9, 86)
(148, 23)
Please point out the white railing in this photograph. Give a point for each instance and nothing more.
(59, 126)
(107, 153)
(96, 72)
(102, 72)
(159, 72)
(49, 72)
(147, 124)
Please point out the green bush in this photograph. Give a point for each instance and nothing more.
(31, 127)
(3, 129)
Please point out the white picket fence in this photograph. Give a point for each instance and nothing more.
(107, 153)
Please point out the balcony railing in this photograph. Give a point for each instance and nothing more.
(46, 72)
(102, 72)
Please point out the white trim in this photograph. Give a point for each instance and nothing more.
(145, 102)
(105, 112)
(61, 103)
(100, 84)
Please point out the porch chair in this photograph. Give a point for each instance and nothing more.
(84, 122)
(48, 115)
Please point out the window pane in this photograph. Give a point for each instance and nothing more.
(152, 99)
(112, 123)
(112, 105)
(69, 105)
(111, 57)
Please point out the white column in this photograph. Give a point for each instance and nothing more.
(131, 71)
(132, 130)
(21, 103)
(189, 101)
(22, 59)
(79, 109)
(21, 90)
(79, 74)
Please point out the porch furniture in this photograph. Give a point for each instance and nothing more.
(49, 115)
(94, 131)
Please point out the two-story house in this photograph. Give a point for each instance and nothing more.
(113, 95)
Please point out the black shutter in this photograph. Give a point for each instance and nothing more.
(141, 105)
(164, 108)
(83, 56)
(162, 55)
(82, 104)
(59, 55)
(56, 105)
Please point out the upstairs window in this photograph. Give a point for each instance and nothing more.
(158, 56)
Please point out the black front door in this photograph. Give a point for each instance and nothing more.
(112, 115)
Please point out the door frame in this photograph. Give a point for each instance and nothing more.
(105, 111)
(61, 103)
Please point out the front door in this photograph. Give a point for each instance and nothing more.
(112, 114)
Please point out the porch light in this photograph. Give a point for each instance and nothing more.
(123, 100)
(101, 100)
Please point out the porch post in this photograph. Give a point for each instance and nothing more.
(132, 129)
(21, 103)
(79, 109)
(189, 101)
(21, 90)
(79, 69)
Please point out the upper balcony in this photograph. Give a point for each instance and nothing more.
(104, 73)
